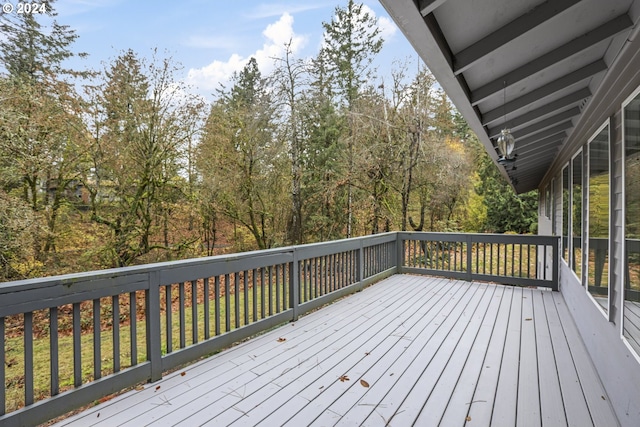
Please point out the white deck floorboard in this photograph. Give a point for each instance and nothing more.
(416, 351)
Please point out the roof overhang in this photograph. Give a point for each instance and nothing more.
(534, 67)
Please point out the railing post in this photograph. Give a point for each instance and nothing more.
(469, 257)
(294, 285)
(154, 343)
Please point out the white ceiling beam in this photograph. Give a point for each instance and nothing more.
(536, 16)
(572, 112)
(563, 102)
(544, 91)
(428, 6)
(565, 51)
(542, 137)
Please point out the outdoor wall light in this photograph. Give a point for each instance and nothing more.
(506, 141)
(506, 144)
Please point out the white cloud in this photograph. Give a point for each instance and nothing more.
(387, 27)
(269, 10)
(276, 35)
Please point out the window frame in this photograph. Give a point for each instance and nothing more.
(586, 200)
(623, 261)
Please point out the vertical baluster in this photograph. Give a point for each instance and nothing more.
(194, 311)
(270, 287)
(236, 298)
(227, 304)
(97, 341)
(262, 294)
(3, 393)
(183, 337)
(302, 281)
(77, 346)
(520, 261)
(133, 327)
(53, 351)
(115, 309)
(286, 290)
(169, 317)
(529, 261)
(278, 292)
(207, 308)
(216, 303)
(245, 293)
(28, 359)
(254, 283)
(513, 259)
(491, 258)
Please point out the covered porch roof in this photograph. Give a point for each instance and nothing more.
(539, 68)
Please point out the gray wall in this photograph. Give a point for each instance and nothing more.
(618, 367)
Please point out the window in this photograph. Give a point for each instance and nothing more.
(565, 213)
(631, 264)
(547, 202)
(598, 220)
(576, 215)
(554, 217)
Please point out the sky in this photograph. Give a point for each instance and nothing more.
(212, 39)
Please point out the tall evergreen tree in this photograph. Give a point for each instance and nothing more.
(351, 41)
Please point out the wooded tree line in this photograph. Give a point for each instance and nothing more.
(134, 168)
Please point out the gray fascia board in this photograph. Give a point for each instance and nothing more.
(514, 29)
(546, 90)
(547, 60)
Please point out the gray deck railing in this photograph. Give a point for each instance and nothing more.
(521, 260)
(70, 340)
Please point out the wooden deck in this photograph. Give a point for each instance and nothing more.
(410, 350)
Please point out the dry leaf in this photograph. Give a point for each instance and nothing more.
(157, 388)
(367, 353)
(281, 339)
(528, 319)
(182, 374)
(344, 378)
(363, 383)
(603, 398)
(468, 418)
(139, 387)
(321, 387)
(98, 416)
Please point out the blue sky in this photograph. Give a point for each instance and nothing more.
(213, 38)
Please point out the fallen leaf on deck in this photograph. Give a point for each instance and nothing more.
(182, 374)
(321, 387)
(281, 339)
(344, 378)
(603, 398)
(367, 353)
(98, 416)
(363, 383)
(468, 418)
(157, 388)
(139, 388)
(528, 319)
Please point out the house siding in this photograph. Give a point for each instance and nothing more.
(617, 365)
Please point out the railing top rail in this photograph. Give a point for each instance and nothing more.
(172, 268)
(481, 237)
